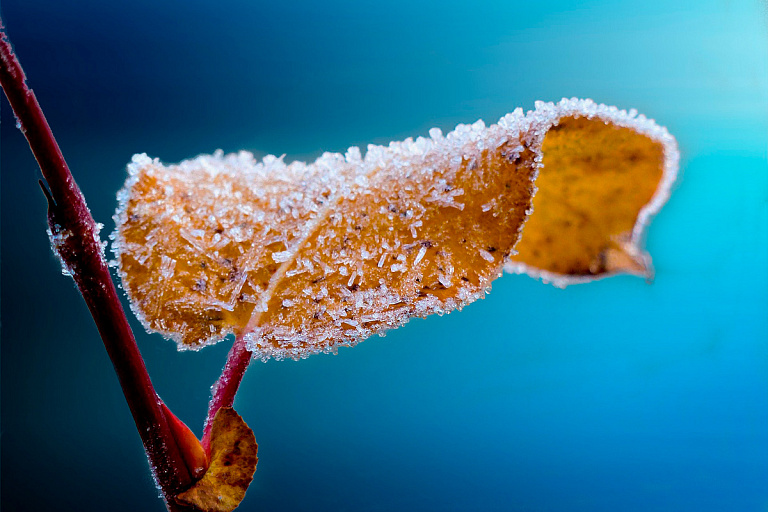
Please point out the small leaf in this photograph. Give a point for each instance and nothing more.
(605, 173)
(233, 463)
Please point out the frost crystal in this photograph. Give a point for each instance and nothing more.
(487, 256)
(420, 255)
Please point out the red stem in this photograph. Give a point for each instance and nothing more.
(223, 392)
(80, 249)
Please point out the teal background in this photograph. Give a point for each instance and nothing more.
(617, 395)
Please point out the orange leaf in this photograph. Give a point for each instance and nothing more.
(300, 258)
(190, 447)
(233, 462)
(605, 172)
(303, 258)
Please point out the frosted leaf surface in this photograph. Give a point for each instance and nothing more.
(302, 258)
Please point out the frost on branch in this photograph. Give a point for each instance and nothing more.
(303, 258)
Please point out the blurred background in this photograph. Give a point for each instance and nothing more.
(617, 395)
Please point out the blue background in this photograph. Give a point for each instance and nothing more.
(617, 395)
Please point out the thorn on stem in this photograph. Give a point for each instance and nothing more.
(47, 194)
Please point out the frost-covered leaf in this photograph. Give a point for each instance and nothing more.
(300, 258)
(303, 258)
(233, 462)
(605, 172)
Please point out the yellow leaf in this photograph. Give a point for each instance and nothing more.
(300, 258)
(233, 462)
(605, 172)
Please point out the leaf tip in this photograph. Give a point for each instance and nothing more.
(627, 259)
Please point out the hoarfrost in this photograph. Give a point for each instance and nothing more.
(58, 241)
(281, 256)
(167, 266)
(487, 256)
(420, 255)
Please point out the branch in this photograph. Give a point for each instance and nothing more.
(75, 239)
